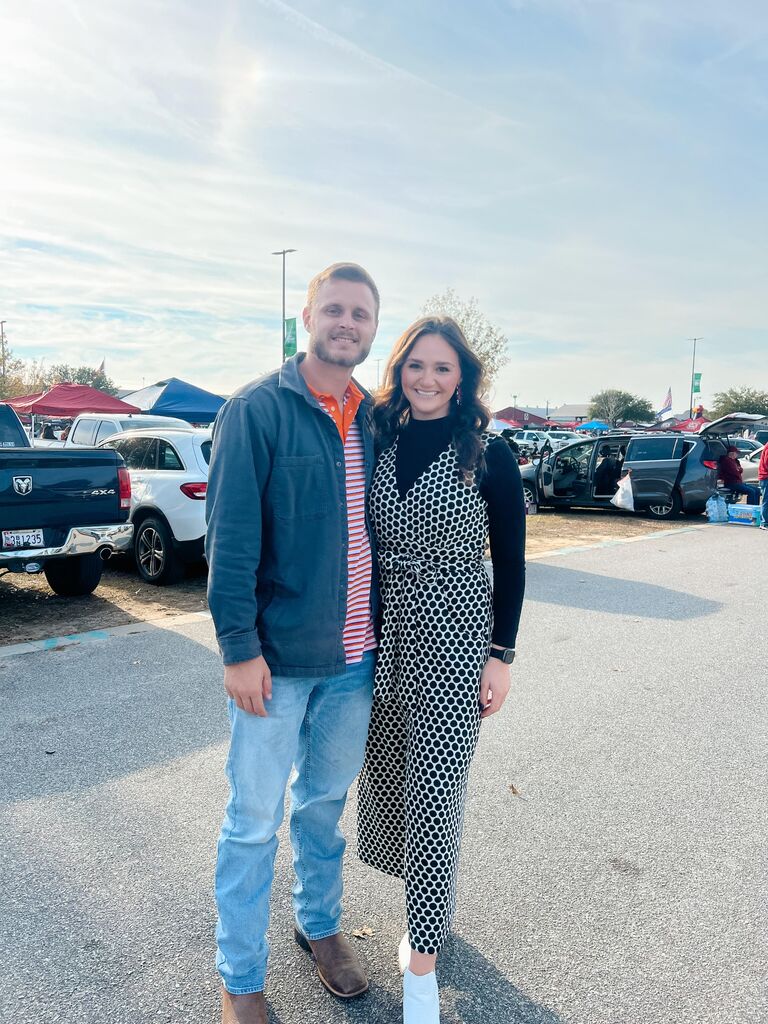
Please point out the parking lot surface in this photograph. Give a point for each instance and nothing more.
(613, 862)
(31, 611)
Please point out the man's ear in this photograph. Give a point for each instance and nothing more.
(305, 315)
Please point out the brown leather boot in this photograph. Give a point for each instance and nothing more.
(337, 964)
(250, 1008)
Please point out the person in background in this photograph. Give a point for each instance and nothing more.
(731, 474)
(48, 434)
(762, 477)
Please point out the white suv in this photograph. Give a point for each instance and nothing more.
(91, 428)
(169, 479)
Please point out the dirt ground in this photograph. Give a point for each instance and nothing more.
(30, 611)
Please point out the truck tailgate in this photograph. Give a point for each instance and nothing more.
(53, 490)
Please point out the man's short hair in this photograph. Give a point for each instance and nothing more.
(342, 272)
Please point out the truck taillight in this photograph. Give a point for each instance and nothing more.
(124, 478)
(709, 463)
(196, 491)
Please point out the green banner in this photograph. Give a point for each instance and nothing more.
(697, 384)
(289, 346)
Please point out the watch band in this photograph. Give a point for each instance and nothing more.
(506, 654)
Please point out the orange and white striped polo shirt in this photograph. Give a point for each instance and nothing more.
(359, 636)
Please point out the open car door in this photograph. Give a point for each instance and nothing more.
(655, 462)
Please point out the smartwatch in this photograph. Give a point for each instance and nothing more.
(506, 654)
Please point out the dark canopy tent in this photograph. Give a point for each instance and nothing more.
(174, 397)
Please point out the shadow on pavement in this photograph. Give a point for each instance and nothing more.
(573, 588)
(76, 717)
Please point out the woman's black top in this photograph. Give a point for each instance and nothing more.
(419, 443)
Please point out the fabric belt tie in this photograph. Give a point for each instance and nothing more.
(416, 569)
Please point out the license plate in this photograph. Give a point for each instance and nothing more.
(23, 539)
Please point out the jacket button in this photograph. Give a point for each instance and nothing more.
(338, 464)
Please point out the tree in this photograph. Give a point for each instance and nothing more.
(62, 373)
(740, 400)
(487, 342)
(614, 406)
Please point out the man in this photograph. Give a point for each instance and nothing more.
(762, 478)
(290, 592)
(730, 471)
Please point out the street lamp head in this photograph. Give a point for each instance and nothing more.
(283, 252)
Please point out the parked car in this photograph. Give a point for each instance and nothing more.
(750, 465)
(560, 438)
(531, 437)
(61, 513)
(169, 477)
(91, 428)
(671, 472)
(745, 445)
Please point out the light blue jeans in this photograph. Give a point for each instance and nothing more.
(319, 725)
(764, 502)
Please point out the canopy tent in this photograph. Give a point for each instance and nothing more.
(593, 425)
(174, 397)
(691, 426)
(499, 424)
(70, 400)
(21, 399)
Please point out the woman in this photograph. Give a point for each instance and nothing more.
(440, 487)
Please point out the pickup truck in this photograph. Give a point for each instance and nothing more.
(62, 513)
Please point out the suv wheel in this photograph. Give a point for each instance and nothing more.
(529, 494)
(156, 558)
(75, 576)
(666, 510)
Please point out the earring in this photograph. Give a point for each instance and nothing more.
(457, 394)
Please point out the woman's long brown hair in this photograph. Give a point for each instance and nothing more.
(470, 416)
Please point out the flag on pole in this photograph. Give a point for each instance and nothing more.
(696, 384)
(666, 409)
(289, 349)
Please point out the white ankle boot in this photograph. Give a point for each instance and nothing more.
(421, 999)
(404, 953)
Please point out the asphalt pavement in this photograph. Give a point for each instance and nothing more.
(614, 860)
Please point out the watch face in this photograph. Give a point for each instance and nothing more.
(508, 657)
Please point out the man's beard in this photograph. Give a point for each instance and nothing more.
(356, 356)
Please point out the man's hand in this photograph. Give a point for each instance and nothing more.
(494, 686)
(249, 684)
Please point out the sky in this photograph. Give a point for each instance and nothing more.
(593, 172)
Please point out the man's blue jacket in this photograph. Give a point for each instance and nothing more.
(277, 526)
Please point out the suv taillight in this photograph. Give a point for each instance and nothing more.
(709, 463)
(124, 478)
(196, 491)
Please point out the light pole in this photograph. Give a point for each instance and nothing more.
(693, 371)
(283, 253)
(2, 350)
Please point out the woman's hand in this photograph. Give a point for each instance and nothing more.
(494, 686)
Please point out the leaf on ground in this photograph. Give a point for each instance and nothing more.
(514, 790)
(362, 933)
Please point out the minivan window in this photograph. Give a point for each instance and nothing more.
(84, 431)
(655, 449)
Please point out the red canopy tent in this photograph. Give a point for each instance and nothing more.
(692, 426)
(21, 399)
(70, 400)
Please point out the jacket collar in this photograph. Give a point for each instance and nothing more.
(290, 378)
